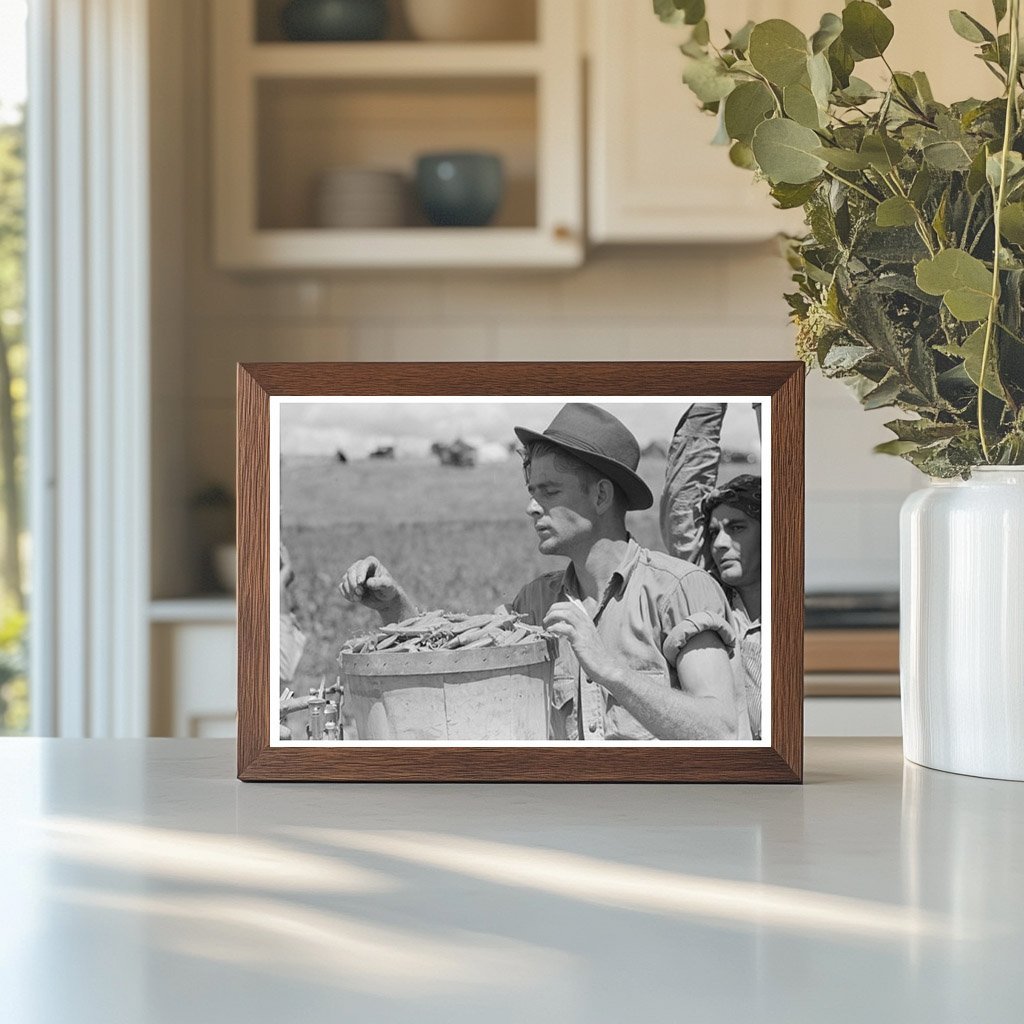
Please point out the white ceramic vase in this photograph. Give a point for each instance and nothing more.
(962, 624)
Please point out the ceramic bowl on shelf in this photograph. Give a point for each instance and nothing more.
(470, 20)
(334, 20)
(361, 198)
(460, 189)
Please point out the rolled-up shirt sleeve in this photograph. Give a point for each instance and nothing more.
(690, 475)
(697, 605)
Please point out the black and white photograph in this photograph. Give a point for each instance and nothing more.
(462, 571)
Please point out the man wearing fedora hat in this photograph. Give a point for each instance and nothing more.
(645, 638)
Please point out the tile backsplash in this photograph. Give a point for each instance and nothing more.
(669, 302)
(716, 302)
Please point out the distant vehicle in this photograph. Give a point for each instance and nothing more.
(458, 453)
(383, 452)
(341, 456)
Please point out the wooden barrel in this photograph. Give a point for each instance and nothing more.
(492, 693)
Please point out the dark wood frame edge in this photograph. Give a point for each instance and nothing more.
(258, 761)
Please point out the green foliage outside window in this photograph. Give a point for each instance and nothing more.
(13, 414)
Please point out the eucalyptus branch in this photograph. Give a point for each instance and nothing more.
(771, 89)
(1000, 198)
(977, 238)
(923, 228)
(853, 185)
(969, 217)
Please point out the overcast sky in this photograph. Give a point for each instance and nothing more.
(320, 428)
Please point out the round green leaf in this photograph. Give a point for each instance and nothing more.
(844, 159)
(740, 39)
(785, 152)
(779, 51)
(820, 76)
(829, 30)
(841, 62)
(801, 106)
(1012, 223)
(971, 352)
(883, 153)
(895, 212)
(742, 156)
(947, 156)
(866, 29)
(789, 197)
(967, 28)
(746, 107)
(963, 281)
(707, 80)
(674, 12)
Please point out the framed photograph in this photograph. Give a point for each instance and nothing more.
(559, 572)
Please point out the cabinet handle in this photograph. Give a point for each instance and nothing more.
(563, 232)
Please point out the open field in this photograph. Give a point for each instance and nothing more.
(455, 538)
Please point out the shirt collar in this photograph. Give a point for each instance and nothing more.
(744, 621)
(619, 578)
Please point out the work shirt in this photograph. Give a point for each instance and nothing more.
(652, 607)
(748, 660)
(691, 474)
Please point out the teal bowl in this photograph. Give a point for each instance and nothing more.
(462, 190)
(334, 21)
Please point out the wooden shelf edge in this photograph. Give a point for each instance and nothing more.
(852, 650)
(392, 60)
(411, 248)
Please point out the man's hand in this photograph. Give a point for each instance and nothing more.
(570, 620)
(369, 582)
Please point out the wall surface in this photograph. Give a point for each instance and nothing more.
(717, 302)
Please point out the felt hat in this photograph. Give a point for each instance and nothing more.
(594, 436)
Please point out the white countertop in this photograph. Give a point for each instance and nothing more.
(144, 885)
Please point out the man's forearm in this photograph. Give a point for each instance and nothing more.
(400, 608)
(671, 714)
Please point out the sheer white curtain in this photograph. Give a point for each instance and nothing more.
(88, 318)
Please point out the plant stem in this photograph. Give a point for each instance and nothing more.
(993, 309)
(855, 187)
(1012, 334)
(922, 225)
(768, 85)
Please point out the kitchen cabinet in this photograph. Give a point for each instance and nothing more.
(286, 113)
(653, 175)
(193, 674)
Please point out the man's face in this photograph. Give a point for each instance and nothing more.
(736, 545)
(561, 505)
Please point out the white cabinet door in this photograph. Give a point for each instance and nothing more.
(653, 174)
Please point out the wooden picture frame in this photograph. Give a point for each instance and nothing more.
(780, 759)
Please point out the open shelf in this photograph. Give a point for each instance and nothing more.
(287, 113)
(308, 127)
(519, 16)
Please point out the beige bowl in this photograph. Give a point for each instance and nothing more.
(471, 20)
(358, 197)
